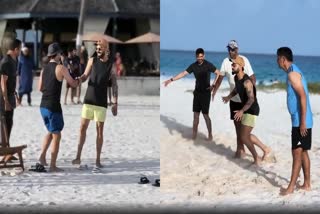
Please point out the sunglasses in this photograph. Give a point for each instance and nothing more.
(232, 49)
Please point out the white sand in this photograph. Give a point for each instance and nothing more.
(130, 150)
(201, 173)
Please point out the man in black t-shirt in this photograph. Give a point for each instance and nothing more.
(202, 70)
(8, 72)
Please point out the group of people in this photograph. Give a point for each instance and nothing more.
(244, 107)
(100, 69)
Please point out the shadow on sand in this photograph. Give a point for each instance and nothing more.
(220, 149)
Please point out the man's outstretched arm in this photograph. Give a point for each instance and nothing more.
(179, 76)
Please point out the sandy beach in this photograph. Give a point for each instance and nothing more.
(130, 150)
(198, 173)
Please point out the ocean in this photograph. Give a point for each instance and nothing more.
(264, 66)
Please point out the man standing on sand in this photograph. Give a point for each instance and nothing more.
(250, 109)
(50, 84)
(201, 99)
(235, 102)
(8, 72)
(100, 70)
(298, 104)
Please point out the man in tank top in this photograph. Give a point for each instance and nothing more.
(51, 78)
(299, 107)
(235, 102)
(99, 70)
(249, 111)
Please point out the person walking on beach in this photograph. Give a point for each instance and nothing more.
(100, 70)
(250, 109)
(235, 102)
(51, 78)
(72, 62)
(25, 73)
(299, 107)
(8, 72)
(201, 96)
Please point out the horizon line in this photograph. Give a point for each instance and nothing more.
(210, 51)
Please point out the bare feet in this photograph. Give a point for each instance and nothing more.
(194, 135)
(257, 162)
(286, 191)
(55, 169)
(210, 137)
(99, 165)
(304, 187)
(43, 161)
(76, 161)
(240, 154)
(266, 152)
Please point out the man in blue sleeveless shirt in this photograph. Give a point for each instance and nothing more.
(298, 104)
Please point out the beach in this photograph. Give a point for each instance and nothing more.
(199, 173)
(130, 150)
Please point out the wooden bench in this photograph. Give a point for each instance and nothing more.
(7, 151)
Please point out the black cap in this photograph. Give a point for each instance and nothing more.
(54, 49)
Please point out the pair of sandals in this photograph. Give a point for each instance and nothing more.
(145, 180)
(38, 168)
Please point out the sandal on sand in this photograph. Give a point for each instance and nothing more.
(82, 167)
(96, 170)
(144, 180)
(38, 168)
(156, 183)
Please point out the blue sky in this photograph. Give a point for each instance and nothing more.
(259, 26)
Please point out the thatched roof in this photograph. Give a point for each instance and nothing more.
(11, 9)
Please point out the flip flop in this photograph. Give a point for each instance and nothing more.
(38, 168)
(144, 180)
(156, 183)
(96, 170)
(82, 167)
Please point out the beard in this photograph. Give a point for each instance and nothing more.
(101, 55)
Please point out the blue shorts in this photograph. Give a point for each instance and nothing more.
(53, 120)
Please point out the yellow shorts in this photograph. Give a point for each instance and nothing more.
(92, 112)
(248, 120)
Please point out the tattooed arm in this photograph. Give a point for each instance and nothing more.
(249, 90)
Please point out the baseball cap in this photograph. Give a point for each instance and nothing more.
(232, 44)
(238, 60)
(54, 49)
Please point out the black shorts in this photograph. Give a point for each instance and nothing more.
(298, 141)
(234, 106)
(201, 102)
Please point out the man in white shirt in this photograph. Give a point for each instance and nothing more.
(235, 102)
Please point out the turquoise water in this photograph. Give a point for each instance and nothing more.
(265, 66)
